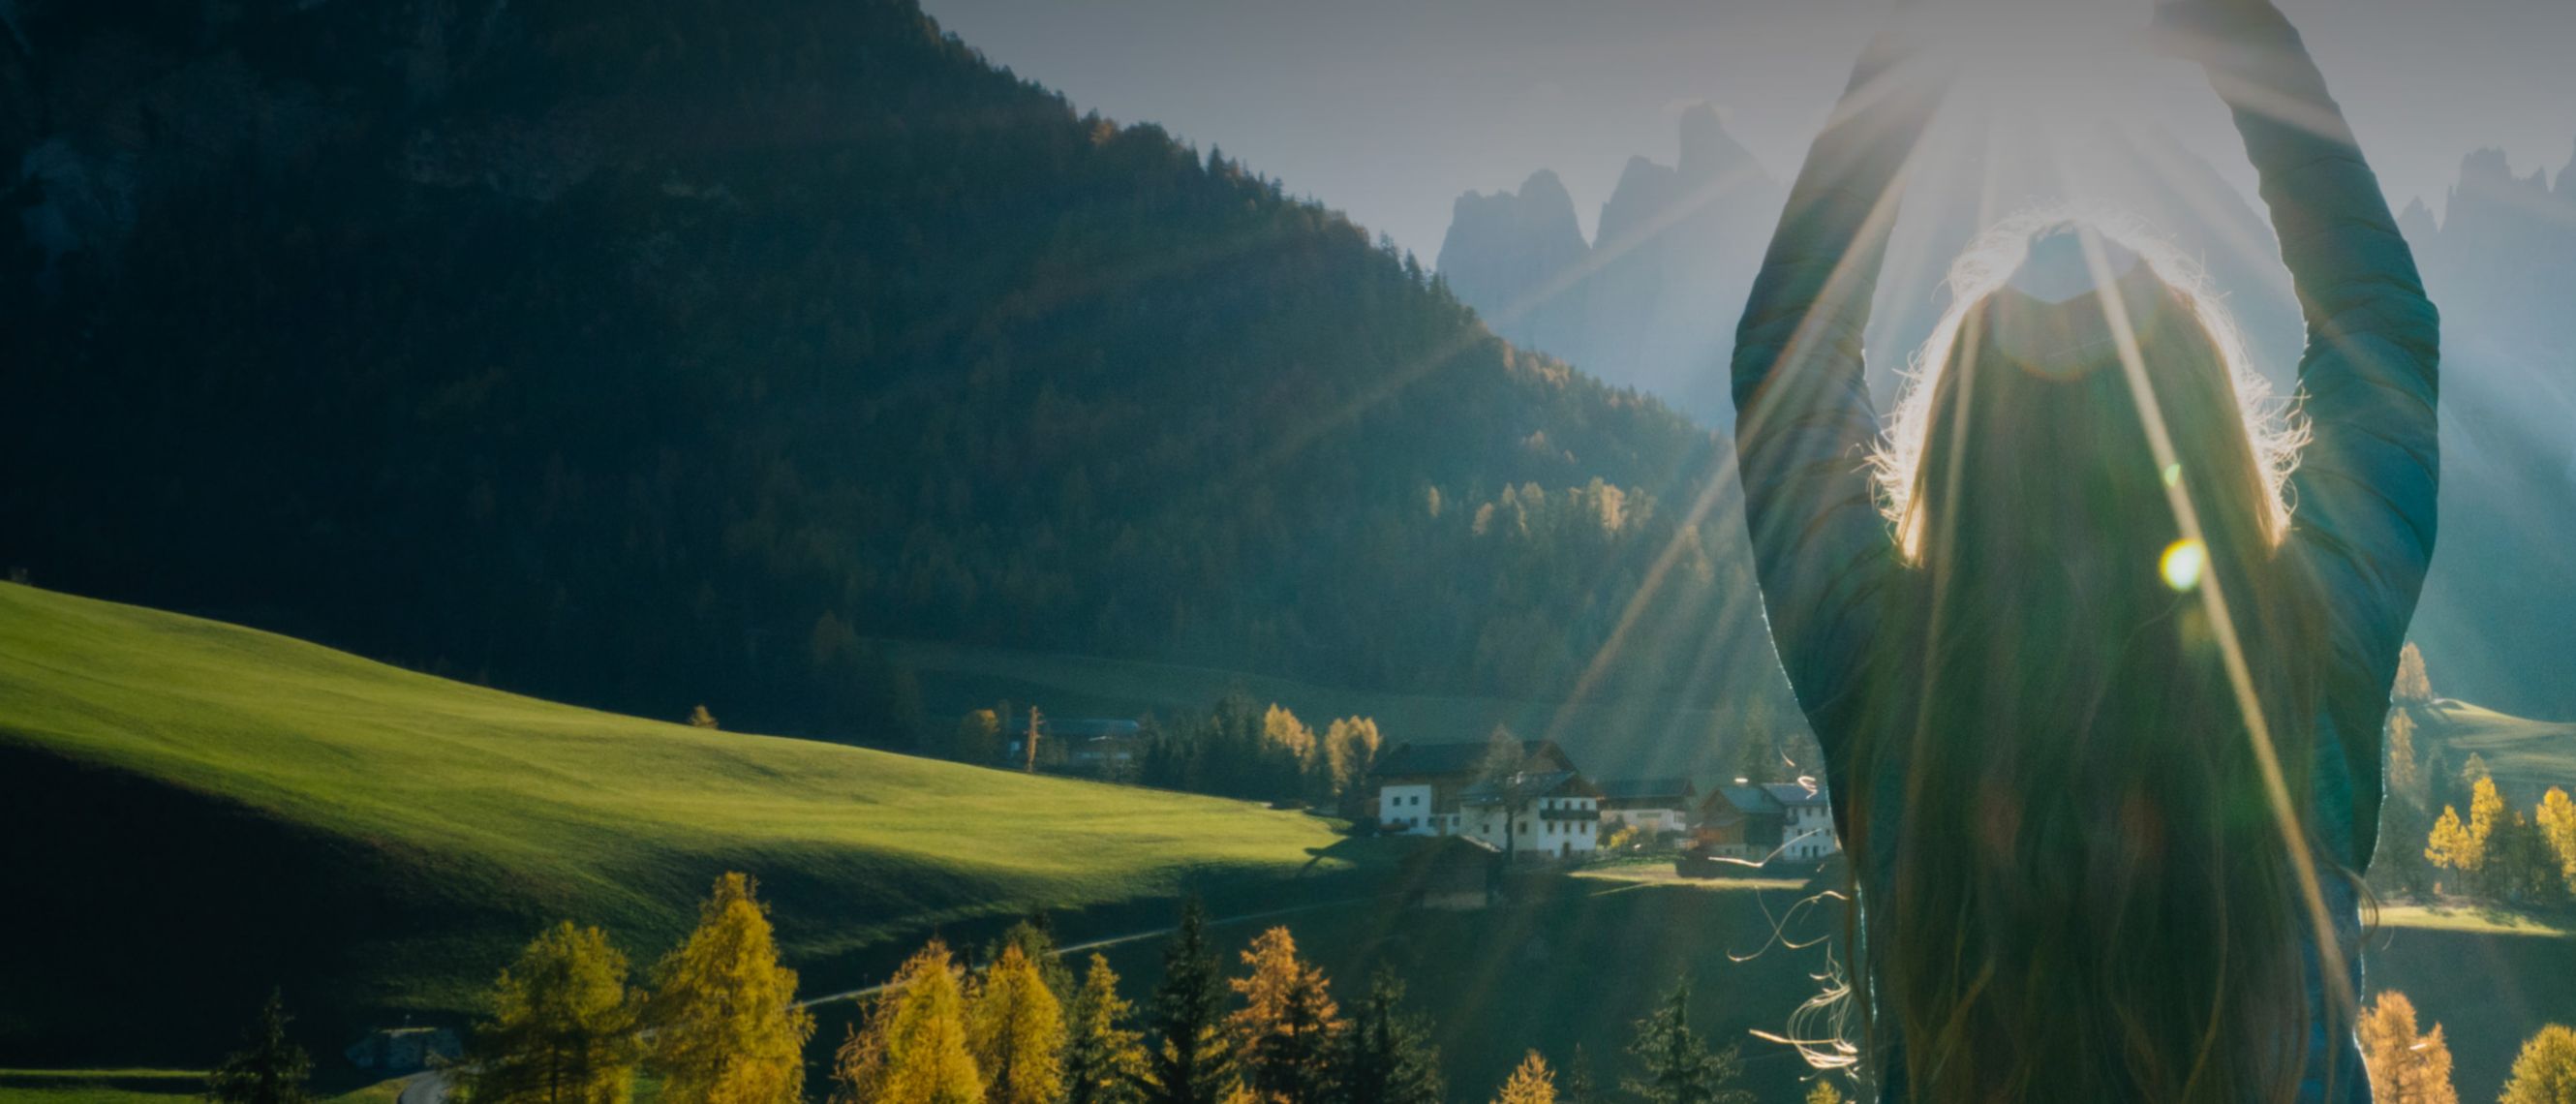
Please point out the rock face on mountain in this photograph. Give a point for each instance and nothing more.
(1512, 255)
(1651, 302)
(2499, 611)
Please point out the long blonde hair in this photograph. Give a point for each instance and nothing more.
(2090, 896)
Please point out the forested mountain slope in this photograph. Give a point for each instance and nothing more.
(648, 353)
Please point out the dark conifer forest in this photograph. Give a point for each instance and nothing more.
(655, 352)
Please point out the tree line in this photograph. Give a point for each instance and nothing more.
(719, 1023)
(2494, 853)
(1238, 747)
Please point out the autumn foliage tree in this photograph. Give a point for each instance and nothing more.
(2461, 845)
(1531, 1083)
(912, 1047)
(1103, 1059)
(562, 1028)
(2545, 1072)
(2406, 1067)
(725, 1026)
(2556, 819)
(1015, 1029)
(1350, 752)
(1284, 1031)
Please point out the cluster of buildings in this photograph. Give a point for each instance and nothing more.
(1538, 804)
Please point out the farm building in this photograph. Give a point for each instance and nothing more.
(1654, 806)
(1541, 806)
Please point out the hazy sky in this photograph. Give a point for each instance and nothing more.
(1388, 109)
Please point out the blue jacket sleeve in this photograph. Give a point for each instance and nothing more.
(1804, 422)
(2364, 492)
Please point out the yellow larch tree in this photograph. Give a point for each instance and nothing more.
(1531, 1083)
(563, 1026)
(913, 1047)
(2557, 819)
(1350, 750)
(2406, 1067)
(1015, 1029)
(725, 1026)
(1283, 1034)
(2545, 1072)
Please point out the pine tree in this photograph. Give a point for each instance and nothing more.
(726, 1029)
(912, 1048)
(1103, 1061)
(1284, 1031)
(1016, 1030)
(1188, 1061)
(2545, 1073)
(1579, 1087)
(268, 1069)
(2405, 1067)
(563, 1026)
(1531, 1083)
(700, 718)
(1384, 1056)
(1680, 1067)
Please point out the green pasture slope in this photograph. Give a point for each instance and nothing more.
(2525, 755)
(193, 811)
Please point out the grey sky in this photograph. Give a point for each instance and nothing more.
(1388, 109)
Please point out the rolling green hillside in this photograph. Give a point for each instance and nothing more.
(209, 809)
(2526, 756)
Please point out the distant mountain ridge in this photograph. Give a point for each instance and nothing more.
(1651, 302)
(2498, 615)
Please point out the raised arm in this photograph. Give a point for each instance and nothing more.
(1803, 422)
(2368, 381)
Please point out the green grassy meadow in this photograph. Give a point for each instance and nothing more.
(148, 1087)
(217, 809)
(2526, 756)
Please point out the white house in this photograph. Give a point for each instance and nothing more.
(1553, 813)
(1444, 790)
(1807, 825)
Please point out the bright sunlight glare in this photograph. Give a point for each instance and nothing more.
(2183, 562)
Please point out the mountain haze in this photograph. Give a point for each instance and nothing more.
(2498, 619)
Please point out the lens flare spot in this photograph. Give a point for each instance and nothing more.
(2173, 475)
(2183, 562)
